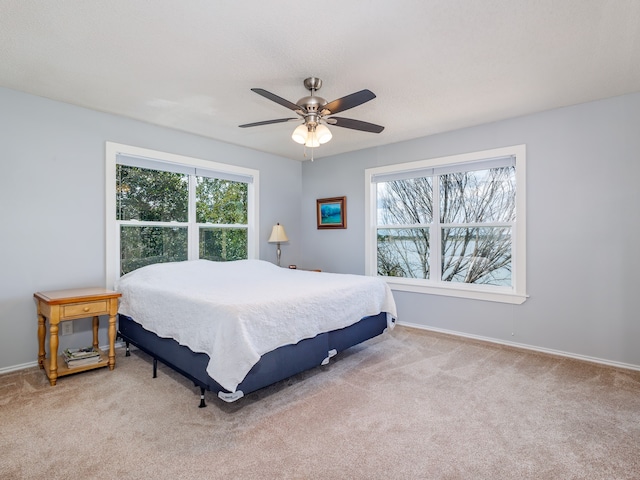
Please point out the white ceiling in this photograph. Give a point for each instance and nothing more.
(435, 65)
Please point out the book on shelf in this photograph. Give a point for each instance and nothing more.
(77, 353)
(78, 357)
(81, 362)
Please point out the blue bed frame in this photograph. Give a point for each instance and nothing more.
(272, 367)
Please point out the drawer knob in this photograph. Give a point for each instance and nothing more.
(85, 309)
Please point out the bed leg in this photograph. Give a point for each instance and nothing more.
(155, 368)
(202, 404)
(126, 349)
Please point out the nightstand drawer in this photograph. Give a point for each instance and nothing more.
(84, 309)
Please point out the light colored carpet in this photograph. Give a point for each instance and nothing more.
(409, 404)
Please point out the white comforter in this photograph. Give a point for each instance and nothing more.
(237, 311)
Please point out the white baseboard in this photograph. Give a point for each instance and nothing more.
(23, 366)
(550, 351)
(15, 368)
(523, 346)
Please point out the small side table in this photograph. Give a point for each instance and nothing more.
(62, 305)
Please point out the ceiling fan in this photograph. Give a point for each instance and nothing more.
(315, 112)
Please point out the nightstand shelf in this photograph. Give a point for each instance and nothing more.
(64, 370)
(66, 305)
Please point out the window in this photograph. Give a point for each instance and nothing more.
(165, 208)
(451, 226)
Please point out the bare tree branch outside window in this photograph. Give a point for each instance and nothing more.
(475, 216)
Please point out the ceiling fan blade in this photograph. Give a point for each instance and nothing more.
(350, 101)
(275, 98)
(267, 122)
(355, 124)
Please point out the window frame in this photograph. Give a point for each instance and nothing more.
(513, 295)
(113, 150)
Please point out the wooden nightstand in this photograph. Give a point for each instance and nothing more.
(62, 305)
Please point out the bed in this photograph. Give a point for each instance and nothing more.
(235, 327)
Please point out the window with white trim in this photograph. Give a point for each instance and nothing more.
(451, 226)
(163, 208)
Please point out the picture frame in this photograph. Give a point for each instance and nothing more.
(331, 213)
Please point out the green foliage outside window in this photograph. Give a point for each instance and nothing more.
(155, 196)
(151, 195)
(223, 244)
(140, 246)
(221, 201)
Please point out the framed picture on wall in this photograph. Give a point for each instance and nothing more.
(332, 212)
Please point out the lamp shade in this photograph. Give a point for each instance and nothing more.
(299, 135)
(323, 134)
(278, 234)
(312, 140)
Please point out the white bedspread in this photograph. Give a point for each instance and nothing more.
(237, 311)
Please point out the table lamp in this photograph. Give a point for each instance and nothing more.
(278, 235)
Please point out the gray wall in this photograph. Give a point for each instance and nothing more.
(582, 211)
(583, 226)
(52, 204)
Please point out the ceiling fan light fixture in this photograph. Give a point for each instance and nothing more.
(312, 140)
(323, 134)
(311, 137)
(299, 135)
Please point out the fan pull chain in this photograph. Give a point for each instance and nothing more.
(305, 153)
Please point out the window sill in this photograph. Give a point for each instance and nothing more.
(474, 292)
